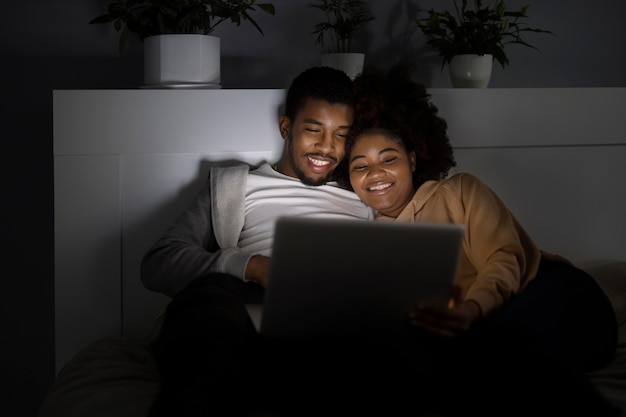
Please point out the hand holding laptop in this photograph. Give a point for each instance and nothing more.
(447, 320)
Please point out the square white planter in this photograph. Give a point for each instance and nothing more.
(471, 71)
(182, 60)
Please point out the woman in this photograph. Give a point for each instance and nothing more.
(513, 307)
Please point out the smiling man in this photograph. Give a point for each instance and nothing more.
(229, 227)
(214, 259)
(314, 140)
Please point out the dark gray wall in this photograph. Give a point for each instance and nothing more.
(47, 45)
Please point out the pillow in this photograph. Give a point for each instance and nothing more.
(109, 378)
(611, 276)
(611, 380)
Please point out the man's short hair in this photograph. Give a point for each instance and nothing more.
(325, 83)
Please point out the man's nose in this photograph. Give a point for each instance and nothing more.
(326, 142)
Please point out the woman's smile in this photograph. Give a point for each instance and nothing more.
(379, 188)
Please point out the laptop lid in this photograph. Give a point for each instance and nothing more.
(334, 277)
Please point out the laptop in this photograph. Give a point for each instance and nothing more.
(335, 277)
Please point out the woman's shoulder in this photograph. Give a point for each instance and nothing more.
(466, 185)
(459, 186)
(462, 180)
(462, 177)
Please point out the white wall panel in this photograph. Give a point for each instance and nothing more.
(570, 199)
(87, 251)
(532, 116)
(166, 121)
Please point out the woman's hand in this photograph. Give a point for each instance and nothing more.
(258, 269)
(447, 321)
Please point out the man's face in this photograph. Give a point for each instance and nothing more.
(315, 140)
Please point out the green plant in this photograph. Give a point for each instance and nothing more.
(481, 30)
(343, 18)
(156, 17)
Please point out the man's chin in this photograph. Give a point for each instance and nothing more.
(315, 181)
(313, 178)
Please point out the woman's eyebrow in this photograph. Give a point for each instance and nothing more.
(356, 157)
(382, 151)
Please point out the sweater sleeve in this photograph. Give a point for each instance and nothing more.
(502, 254)
(189, 249)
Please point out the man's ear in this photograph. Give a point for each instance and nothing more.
(412, 159)
(284, 124)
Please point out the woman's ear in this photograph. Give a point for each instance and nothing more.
(413, 160)
(284, 124)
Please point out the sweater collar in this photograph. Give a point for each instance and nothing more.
(417, 202)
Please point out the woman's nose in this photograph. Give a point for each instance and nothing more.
(376, 171)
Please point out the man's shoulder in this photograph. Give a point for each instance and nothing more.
(231, 166)
(226, 169)
(228, 176)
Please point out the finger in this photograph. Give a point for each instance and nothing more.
(439, 331)
(442, 313)
(455, 296)
(451, 321)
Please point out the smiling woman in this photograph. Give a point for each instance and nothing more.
(506, 289)
(380, 172)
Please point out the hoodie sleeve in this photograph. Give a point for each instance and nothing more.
(503, 255)
(190, 249)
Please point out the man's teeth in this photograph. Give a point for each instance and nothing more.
(319, 163)
(379, 187)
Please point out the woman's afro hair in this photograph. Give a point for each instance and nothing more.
(398, 106)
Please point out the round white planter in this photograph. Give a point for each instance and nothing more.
(350, 63)
(182, 60)
(471, 71)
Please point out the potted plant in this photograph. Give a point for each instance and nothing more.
(343, 18)
(481, 32)
(182, 28)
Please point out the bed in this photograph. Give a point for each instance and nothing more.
(126, 162)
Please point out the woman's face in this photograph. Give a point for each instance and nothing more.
(381, 173)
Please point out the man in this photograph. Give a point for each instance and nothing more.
(215, 258)
(228, 228)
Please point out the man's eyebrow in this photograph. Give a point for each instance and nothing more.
(317, 122)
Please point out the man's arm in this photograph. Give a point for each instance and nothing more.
(182, 253)
(189, 250)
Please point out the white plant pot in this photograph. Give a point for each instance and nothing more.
(182, 60)
(471, 71)
(350, 63)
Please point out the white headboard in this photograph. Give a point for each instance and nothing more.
(127, 162)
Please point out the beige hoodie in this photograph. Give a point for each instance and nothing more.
(499, 258)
